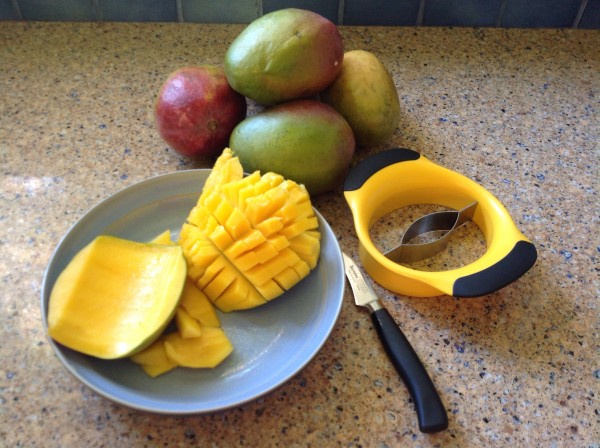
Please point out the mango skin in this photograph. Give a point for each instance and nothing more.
(284, 55)
(366, 96)
(303, 140)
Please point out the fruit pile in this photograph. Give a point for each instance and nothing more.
(320, 102)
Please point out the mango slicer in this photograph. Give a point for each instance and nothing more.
(399, 177)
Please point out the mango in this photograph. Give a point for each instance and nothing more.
(248, 239)
(206, 351)
(187, 326)
(366, 96)
(163, 238)
(303, 140)
(154, 360)
(116, 296)
(196, 109)
(194, 314)
(197, 305)
(283, 55)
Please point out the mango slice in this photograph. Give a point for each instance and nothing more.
(163, 238)
(206, 351)
(198, 306)
(187, 326)
(116, 296)
(154, 360)
(249, 239)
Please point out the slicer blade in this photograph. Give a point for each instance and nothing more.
(446, 221)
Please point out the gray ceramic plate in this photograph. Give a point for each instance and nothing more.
(272, 343)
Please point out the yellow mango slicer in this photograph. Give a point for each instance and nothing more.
(399, 177)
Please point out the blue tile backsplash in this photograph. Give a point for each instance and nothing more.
(137, 10)
(547, 13)
(462, 12)
(478, 13)
(328, 9)
(380, 12)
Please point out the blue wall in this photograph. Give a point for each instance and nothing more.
(483, 13)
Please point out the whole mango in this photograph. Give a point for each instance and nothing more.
(365, 94)
(196, 109)
(284, 55)
(303, 140)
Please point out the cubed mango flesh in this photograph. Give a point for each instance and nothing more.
(249, 239)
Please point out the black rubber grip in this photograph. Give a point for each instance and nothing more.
(360, 173)
(518, 261)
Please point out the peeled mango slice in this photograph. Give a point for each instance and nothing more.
(206, 351)
(249, 239)
(154, 360)
(116, 296)
(188, 326)
(197, 305)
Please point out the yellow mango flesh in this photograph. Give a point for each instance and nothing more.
(194, 314)
(163, 238)
(198, 306)
(187, 326)
(249, 239)
(116, 296)
(154, 360)
(206, 351)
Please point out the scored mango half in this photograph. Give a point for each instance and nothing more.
(249, 238)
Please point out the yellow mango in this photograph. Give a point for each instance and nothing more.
(221, 281)
(287, 278)
(163, 238)
(299, 227)
(153, 359)
(237, 224)
(226, 169)
(305, 245)
(211, 272)
(221, 238)
(115, 297)
(249, 239)
(302, 268)
(233, 189)
(198, 306)
(206, 351)
(265, 271)
(187, 326)
(270, 289)
(270, 226)
(240, 295)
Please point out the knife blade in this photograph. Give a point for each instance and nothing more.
(431, 413)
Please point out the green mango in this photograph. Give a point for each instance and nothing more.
(284, 55)
(306, 141)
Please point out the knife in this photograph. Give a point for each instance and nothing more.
(431, 413)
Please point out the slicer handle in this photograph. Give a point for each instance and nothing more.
(491, 278)
(430, 409)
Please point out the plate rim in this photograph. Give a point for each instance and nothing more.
(181, 176)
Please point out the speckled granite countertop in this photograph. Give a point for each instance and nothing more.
(515, 110)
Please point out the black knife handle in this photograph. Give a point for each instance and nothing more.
(430, 409)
